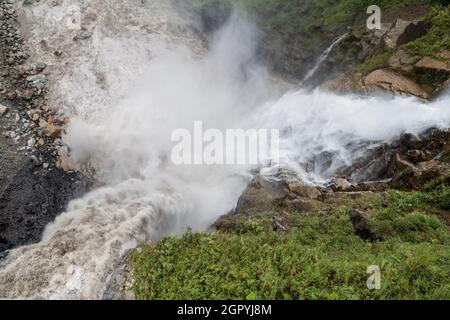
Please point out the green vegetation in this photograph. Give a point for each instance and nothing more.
(376, 62)
(300, 16)
(437, 38)
(319, 257)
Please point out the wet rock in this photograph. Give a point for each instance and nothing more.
(260, 195)
(214, 15)
(389, 80)
(345, 83)
(407, 176)
(428, 64)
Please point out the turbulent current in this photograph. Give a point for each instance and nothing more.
(130, 76)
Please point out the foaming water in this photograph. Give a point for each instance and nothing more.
(317, 122)
(122, 125)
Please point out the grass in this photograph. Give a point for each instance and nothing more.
(320, 257)
(376, 62)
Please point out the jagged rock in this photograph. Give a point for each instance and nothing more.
(360, 221)
(397, 84)
(403, 32)
(407, 176)
(430, 64)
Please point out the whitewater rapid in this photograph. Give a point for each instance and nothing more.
(140, 75)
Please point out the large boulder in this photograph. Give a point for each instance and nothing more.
(403, 32)
(428, 64)
(260, 196)
(391, 81)
(266, 193)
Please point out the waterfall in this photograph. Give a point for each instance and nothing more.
(139, 76)
(322, 59)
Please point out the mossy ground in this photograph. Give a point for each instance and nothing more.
(319, 257)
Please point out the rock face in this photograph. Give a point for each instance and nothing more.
(407, 176)
(269, 194)
(32, 190)
(263, 194)
(403, 32)
(260, 195)
(406, 164)
(389, 80)
(430, 64)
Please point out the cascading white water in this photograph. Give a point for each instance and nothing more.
(127, 87)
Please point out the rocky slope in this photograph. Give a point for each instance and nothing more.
(36, 181)
(405, 57)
